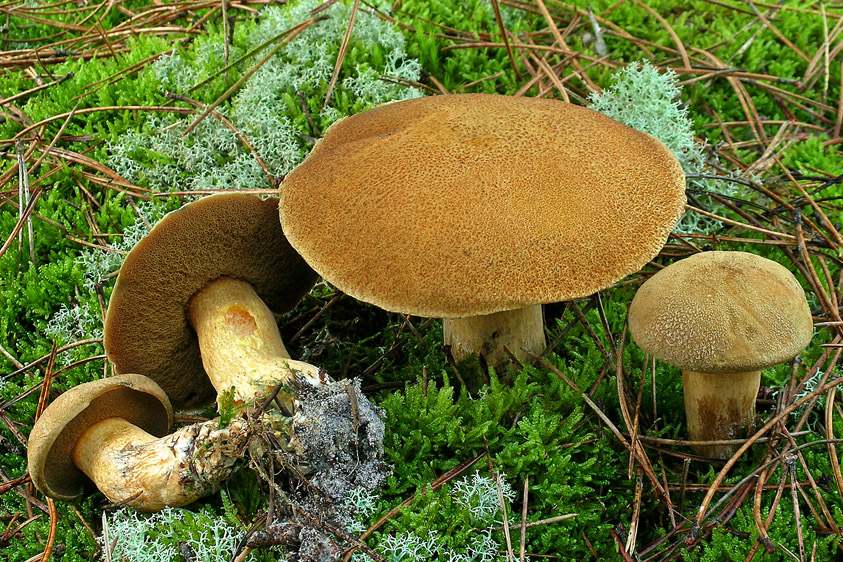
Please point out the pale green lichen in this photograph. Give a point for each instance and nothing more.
(362, 503)
(211, 156)
(160, 536)
(73, 322)
(409, 547)
(478, 495)
(647, 99)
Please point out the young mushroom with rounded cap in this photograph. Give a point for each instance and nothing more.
(721, 317)
(116, 431)
(192, 306)
(478, 209)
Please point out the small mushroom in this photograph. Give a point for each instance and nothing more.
(479, 208)
(116, 431)
(192, 306)
(721, 317)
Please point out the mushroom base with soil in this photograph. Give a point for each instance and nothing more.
(720, 406)
(133, 468)
(240, 343)
(490, 335)
(117, 431)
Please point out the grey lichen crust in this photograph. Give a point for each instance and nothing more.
(336, 444)
(340, 433)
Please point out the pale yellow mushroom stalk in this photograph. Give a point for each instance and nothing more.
(719, 406)
(492, 335)
(241, 346)
(131, 467)
(191, 306)
(117, 432)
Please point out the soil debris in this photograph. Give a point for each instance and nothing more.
(333, 451)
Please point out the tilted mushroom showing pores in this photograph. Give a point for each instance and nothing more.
(721, 317)
(116, 431)
(192, 306)
(479, 208)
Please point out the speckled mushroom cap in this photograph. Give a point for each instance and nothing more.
(236, 235)
(135, 398)
(460, 205)
(721, 312)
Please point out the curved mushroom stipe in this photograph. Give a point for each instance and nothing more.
(133, 468)
(116, 431)
(241, 347)
(230, 235)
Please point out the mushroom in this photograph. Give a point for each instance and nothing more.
(479, 208)
(192, 304)
(116, 431)
(721, 317)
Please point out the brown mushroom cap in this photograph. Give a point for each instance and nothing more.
(229, 235)
(135, 398)
(721, 312)
(461, 205)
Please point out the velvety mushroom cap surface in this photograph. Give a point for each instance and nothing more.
(135, 398)
(236, 235)
(721, 312)
(461, 205)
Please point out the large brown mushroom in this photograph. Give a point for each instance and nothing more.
(479, 208)
(721, 317)
(192, 306)
(117, 432)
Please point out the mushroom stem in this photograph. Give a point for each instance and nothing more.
(134, 468)
(240, 343)
(489, 334)
(720, 406)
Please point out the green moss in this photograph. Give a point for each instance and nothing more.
(534, 426)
